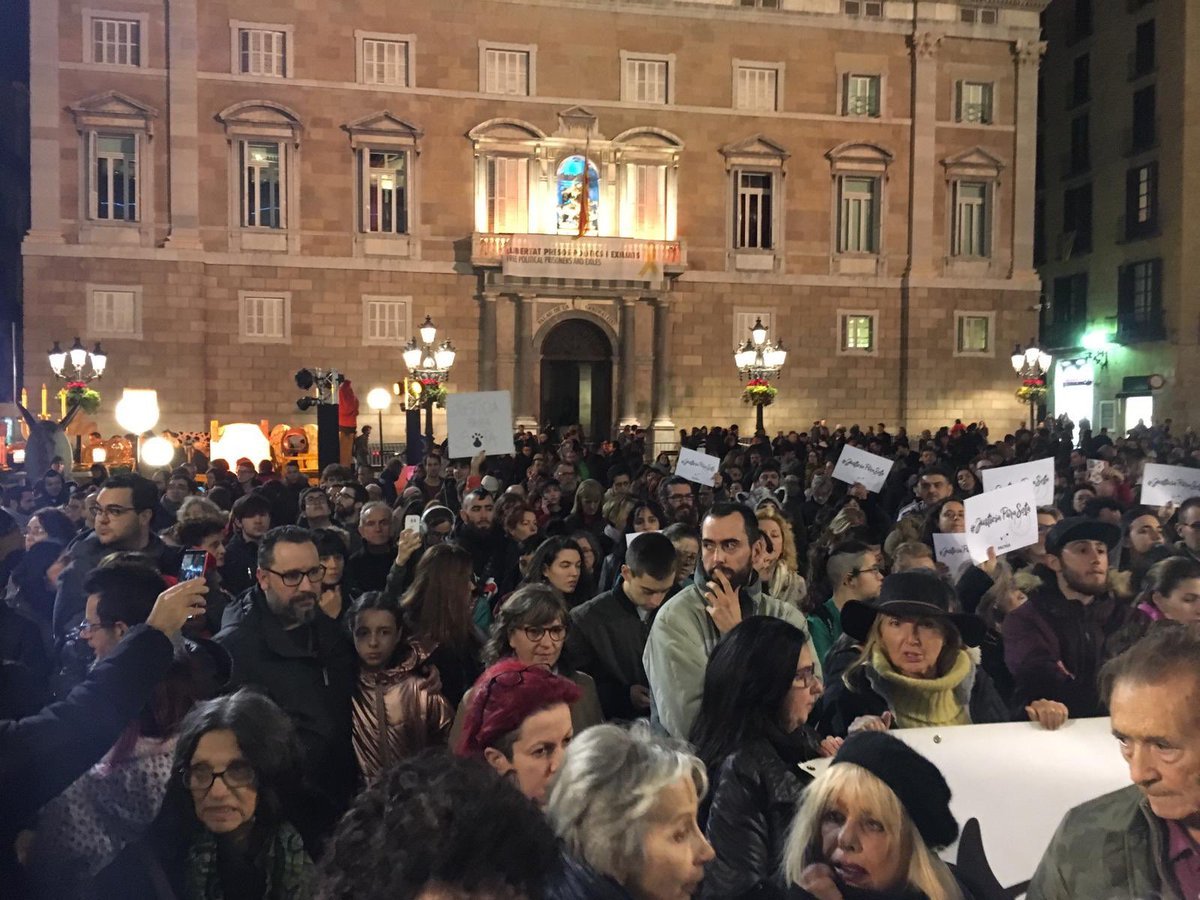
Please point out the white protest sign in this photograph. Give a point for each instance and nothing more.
(1094, 469)
(696, 466)
(1039, 473)
(1005, 518)
(479, 421)
(1168, 484)
(1018, 805)
(859, 466)
(951, 551)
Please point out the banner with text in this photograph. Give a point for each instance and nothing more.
(1169, 484)
(1005, 518)
(951, 550)
(861, 467)
(696, 466)
(1039, 474)
(607, 259)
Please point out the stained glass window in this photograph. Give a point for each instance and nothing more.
(570, 193)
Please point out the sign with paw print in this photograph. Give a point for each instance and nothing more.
(479, 421)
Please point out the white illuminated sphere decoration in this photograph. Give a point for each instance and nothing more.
(157, 452)
(137, 410)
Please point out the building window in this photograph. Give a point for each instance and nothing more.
(861, 94)
(263, 52)
(114, 184)
(265, 319)
(753, 211)
(385, 191)
(1141, 201)
(1083, 19)
(871, 9)
(114, 311)
(1077, 221)
(973, 334)
(1081, 81)
(971, 15)
(760, 4)
(975, 102)
(1081, 145)
(858, 229)
(507, 194)
(648, 187)
(970, 219)
(1144, 127)
(1144, 49)
(506, 69)
(384, 61)
(115, 42)
(857, 332)
(1139, 301)
(263, 188)
(1068, 310)
(386, 320)
(756, 87)
(647, 78)
(569, 205)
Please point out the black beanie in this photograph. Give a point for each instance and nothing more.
(916, 781)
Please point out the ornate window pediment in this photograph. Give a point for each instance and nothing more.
(262, 117)
(973, 163)
(860, 157)
(756, 150)
(113, 109)
(506, 131)
(383, 128)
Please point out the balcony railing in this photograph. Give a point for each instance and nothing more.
(490, 250)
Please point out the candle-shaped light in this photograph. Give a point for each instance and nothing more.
(25, 397)
(62, 397)
(45, 409)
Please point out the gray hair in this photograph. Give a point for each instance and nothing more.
(602, 798)
(371, 506)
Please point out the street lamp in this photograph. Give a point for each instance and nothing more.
(429, 363)
(379, 399)
(79, 357)
(1032, 365)
(759, 360)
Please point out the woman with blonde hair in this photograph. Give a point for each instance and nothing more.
(872, 822)
(779, 567)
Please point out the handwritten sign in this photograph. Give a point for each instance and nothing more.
(1095, 468)
(1169, 484)
(859, 466)
(1005, 518)
(696, 466)
(479, 421)
(1039, 474)
(951, 551)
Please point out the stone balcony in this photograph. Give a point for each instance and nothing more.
(590, 257)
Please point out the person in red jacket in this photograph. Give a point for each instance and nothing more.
(347, 421)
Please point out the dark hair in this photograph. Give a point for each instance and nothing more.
(653, 555)
(533, 604)
(544, 557)
(930, 526)
(1164, 577)
(614, 471)
(378, 600)
(56, 524)
(1189, 503)
(143, 490)
(330, 542)
(1169, 648)
(638, 506)
(284, 534)
(677, 531)
(266, 737)
(434, 605)
(359, 490)
(192, 532)
(1093, 507)
(444, 820)
(220, 495)
(249, 506)
(743, 702)
(749, 520)
(127, 592)
(1133, 514)
(14, 492)
(479, 493)
(673, 481)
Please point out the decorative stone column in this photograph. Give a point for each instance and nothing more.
(662, 427)
(45, 112)
(923, 155)
(183, 155)
(1027, 57)
(522, 364)
(628, 381)
(487, 340)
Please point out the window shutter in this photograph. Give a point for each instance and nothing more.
(1125, 291)
(959, 115)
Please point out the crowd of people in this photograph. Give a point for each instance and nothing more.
(569, 673)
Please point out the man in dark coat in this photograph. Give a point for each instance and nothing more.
(1055, 643)
(251, 520)
(304, 661)
(473, 530)
(608, 633)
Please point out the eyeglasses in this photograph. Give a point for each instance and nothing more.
(805, 677)
(293, 577)
(509, 679)
(536, 632)
(874, 569)
(238, 774)
(84, 628)
(112, 511)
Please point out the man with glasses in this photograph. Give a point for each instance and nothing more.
(125, 509)
(1188, 526)
(302, 659)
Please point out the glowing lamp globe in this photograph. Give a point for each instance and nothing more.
(157, 452)
(379, 399)
(240, 440)
(99, 455)
(137, 410)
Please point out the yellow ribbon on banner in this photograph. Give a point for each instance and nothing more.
(650, 265)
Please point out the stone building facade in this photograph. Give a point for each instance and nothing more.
(1116, 245)
(222, 201)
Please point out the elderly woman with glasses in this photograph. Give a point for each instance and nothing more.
(236, 758)
(531, 627)
(519, 723)
(624, 806)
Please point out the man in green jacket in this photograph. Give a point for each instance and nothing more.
(688, 626)
(1142, 841)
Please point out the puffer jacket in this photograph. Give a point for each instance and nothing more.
(576, 880)
(1112, 847)
(753, 803)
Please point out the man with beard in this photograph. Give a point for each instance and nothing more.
(473, 530)
(688, 626)
(304, 661)
(678, 501)
(1055, 644)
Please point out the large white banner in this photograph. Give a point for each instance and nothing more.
(479, 421)
(566, 256)
(1169, 484)
(1018, 780)
(856, 466)
(1039, 474)
(1005, 518)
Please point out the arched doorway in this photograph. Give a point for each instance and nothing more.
(577, 377)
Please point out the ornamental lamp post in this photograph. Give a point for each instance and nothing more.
(79, 356)
(758, 360)
(1031, 365)
(429, 363)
